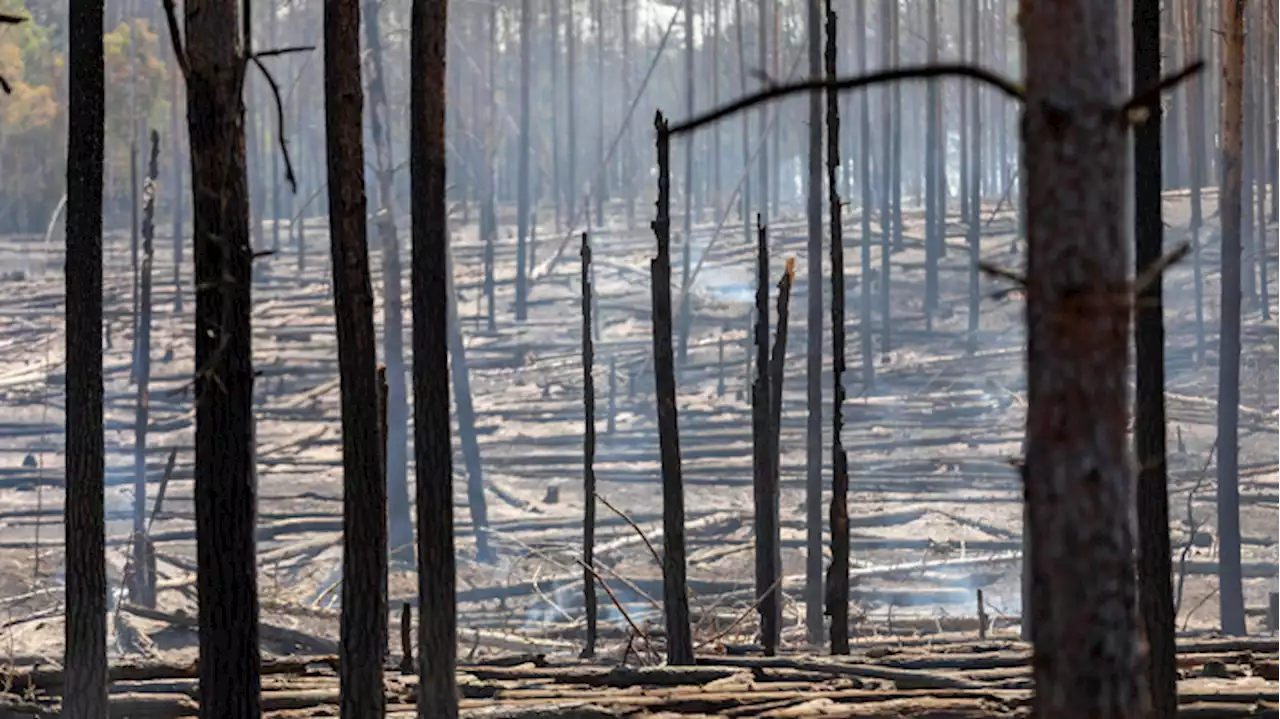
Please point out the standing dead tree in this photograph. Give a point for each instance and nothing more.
(142, 579)
(777, 365)
(675, 589)
(85, 694)
(588, 455)
(766, 521)
(837, 584)
(523, 207)
(813, 366)
(364, 489)
(437, 638)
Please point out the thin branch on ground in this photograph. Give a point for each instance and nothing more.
(745, 613)
(840, 84)
(653, 552)
(284, 143)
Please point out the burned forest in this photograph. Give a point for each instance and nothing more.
(629, 358)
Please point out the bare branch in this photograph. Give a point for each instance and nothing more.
(653, 552)
(1157, 268)
(285, 50)
(175, 37)
(284, 144)
(839, 84)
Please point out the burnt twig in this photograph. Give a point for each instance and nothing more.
(256, 58)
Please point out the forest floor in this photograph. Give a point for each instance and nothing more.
(935, 504)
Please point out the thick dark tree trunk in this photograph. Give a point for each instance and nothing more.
(225, 475)
(837, 583)
(1230, 592)
(1078, 481)
(364, 489)
(766, 523)
(437, 638)
(1155, 581)
(400, 523)
(777, 372)
(1192, 18)
(675, 590)
(523, 207)
(142, 583)
(85, 660)
(588, 456)
(813, 334)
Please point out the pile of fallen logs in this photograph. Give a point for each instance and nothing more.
(903, 678)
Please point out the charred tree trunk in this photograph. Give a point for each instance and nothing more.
(175, 194)
(675, 591)
(931, 182)
(588, 456)
(813, 334)
(762, 460)
(142, 586)
(225, 474)
(85, 694)
(1078, 483)
(437, 638)
(364, 504)
(777, 372)
(837, 584)
(1155, 580)
(1230, 592)
(522, 200)
(400, 524)
(972, 138)
(1192, 18)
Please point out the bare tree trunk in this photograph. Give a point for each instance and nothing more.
(175, 195)
(777, 370)
(400, 523)
(744, 199)
(813, 334)
(1230, 592)
(437, 638)
(766, 525)
(1154, 569)
(522, 202)
(962, 51)
(864, 147)
(837, 583)
(553, 51)
(131, 13)
(762, 27)
(85, 694)
(1262, 101)
(717, 180)
(628, 147)
(675, 591)
(971, 137)
(364, 510)
(225, 475)
(571, 90)
(932, 181)
(588, 457)
(601, 188)
(686, 258)
(896, 166)
(888, 11)
(1192, 12)
(142, 584)
(1078, 483)
(275, 157)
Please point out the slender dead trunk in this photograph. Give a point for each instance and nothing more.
(1155, 579)
(275, 156)
(522, 192)
(675, 590)
(364, 504)
(837, 583)
(628, 148)
(773, 494)
(744, 199)
(864, 182)
(601, 188)
(762, 27)
(888, 11)
(1262, 103)
(142, 588)
(717, 180)
(931, 181)
(85, 659)
(437, 638)
(175, 192)
(896, 167)
(131, 13)
(762, 459)
(553, 52)
(686, 256)
(571, 105)
(1192, 11)
(1078, 483)
(813, 335)
(396, 438)
(588, 457)
(225, 475)
(962, 52)
(1230, 592)
(971, 137)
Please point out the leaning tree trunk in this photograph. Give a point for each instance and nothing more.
(1078, 483)
(364, 504)
(1230, 592)
(1154, 575)
(225, 477)
(437, 639)
(85, 662)
(813, 334)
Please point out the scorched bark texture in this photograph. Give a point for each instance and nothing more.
(1079, 486)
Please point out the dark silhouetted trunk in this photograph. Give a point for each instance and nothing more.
(364, 489)
(675, 591)
(225, 475)
(142, 584)
(437, 638)
(813, 335)
(588, 456)
(1155, 580)
(1078, 481)
(1230, 592)
(837, 583)
(1192, 19)
(766, 522)
(396, 438)
(85, 661)
(777, 372)
(522, 191)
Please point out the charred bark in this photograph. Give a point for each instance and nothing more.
(1230, 592)
(142, 585)
(175, 192)
(522, 191)
(813, 334)
(364, 505)
(588, 456)
(437, 638)
(773, 495)
(1079, 487)
(85, 694)
(675, 590)
(766, 525)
